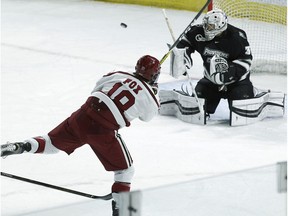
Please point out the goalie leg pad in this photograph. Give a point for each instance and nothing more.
(184, 107)
(264, 105)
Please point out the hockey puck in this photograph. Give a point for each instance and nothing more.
(123, 25)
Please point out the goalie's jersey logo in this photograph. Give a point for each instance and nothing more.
(213, 52)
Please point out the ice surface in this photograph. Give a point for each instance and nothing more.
(53, 52)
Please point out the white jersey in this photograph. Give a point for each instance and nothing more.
(127, 97)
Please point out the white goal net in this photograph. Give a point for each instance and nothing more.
(265, 22)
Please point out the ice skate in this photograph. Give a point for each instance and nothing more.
(115, 209)
(14, 148)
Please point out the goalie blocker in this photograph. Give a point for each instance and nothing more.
(242, 112)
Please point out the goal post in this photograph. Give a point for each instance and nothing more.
(265, 22)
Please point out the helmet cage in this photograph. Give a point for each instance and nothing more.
(214, 23)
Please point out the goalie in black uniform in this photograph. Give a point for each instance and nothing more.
(226, 58)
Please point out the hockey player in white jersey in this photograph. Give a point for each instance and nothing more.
(117, 99)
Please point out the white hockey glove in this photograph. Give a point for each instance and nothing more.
(180, 61)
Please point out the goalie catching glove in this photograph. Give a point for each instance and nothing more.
(220, 71)
(180, 61)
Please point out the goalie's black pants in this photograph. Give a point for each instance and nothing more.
(213, 93)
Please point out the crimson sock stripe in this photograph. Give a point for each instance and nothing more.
(120, 187)
(41, 141)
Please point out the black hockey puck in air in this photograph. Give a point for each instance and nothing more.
(123, 25)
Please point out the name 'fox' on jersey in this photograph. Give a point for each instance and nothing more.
(128, 98)
(231, 45)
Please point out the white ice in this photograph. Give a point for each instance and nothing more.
(52, 54)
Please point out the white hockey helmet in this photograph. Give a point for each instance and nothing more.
(214, 23)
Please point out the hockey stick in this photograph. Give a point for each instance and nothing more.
(189, 79)
(184, 32)
(105, 197)
(168, 24)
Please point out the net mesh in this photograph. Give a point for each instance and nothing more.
(265, 22)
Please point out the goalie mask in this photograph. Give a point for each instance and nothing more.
(148, 68)
(214, 23)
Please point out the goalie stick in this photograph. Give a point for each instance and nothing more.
(184, 32)
(173, 37)
(104, 197)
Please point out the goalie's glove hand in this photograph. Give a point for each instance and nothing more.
(220, 72)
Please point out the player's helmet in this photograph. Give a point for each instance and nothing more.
(148, 67)
(214, 23)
